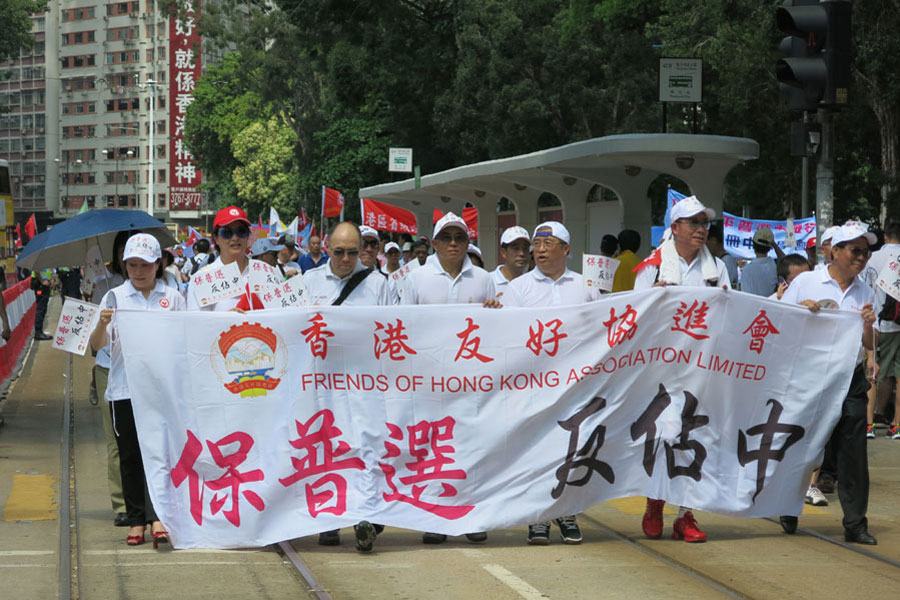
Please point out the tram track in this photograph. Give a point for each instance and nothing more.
(856, 548)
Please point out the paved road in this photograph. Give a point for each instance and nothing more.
(744, 557)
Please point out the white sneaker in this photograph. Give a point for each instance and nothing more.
(815, 497)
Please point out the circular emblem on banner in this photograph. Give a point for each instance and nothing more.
(249, 359)
(164, 302)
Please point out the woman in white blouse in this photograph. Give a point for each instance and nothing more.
(143, 290)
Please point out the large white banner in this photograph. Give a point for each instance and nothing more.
(271, 425)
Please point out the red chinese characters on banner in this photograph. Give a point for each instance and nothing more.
(317, 336)
(231, 480)
(691, 319)
(184, 71)
(392, 342)
(427, 445)
(622, 327)
(758, 329)
(321, 456)
(468, 348)
(385, 217)
(545, 337)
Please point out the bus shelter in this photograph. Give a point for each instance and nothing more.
(624, 164)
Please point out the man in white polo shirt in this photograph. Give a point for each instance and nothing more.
(550, 283)
(326, 283)
(839, 283)
(682, 259)
(449, 277)
(515, 245)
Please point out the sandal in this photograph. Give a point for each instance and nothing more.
(160, 537)
(135, 540)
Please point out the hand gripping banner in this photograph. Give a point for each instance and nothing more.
(270, 425)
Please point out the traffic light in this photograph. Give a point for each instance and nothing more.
(816, 69)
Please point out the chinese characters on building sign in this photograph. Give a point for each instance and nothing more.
(184, 71)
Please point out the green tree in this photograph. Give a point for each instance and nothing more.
(267, 174)
(15, 25)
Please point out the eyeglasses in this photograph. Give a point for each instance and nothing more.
(340, 252)
(459, 238)
(545, 243)
(856, 251)
(226, 233)
(694, 223)
(370, 243)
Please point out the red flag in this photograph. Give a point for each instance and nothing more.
(312, 232)
(386, 217)
(470, 216)
(18, 236)
(303, 220)
(332, 202)
(31, 227)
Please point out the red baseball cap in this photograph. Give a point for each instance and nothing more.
(229, 215)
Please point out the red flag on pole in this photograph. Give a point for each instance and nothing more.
(385, 217)
(332, 202)
(18, 236)
(31, 227)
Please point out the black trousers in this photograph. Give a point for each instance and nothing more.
(138, 507)
(40, 312)
(849, 451)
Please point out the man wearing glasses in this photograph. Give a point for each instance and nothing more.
(370, 246)
(682, 259)
(550, 283)
(231, 235)
(839, 284)
(449, 277)
(326, 282)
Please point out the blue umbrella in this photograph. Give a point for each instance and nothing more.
(67, 243)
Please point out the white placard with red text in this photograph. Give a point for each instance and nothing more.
(93, 264)
(76, 322)
(598, 271)
(264, 276)
(290, 293)
(889, 279)
(268, 426)
(213, 285)
(398, 277)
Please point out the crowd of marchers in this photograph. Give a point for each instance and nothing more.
(352, 265)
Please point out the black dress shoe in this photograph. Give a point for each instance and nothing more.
(433, 538)
(860, 537)
(789, 524)
(42, 336)
(121, 520)
(477, 538)
(330, 538)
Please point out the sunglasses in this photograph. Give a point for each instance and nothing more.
(459, 238)
(694, 224)
(370, 243)
(340, 252)
(227, 233)
(857, 251)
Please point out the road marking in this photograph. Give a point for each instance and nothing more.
(25, 552)
(28, 566)
(130, 551)
(473, 553)
(520, 586)
(32, 499)
(180, 563)
(809, 509)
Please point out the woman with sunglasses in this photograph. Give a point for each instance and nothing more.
(231, 235)
(143, 290)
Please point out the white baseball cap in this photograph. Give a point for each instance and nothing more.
(143, 246)
(391, 246)
(473, 249)
(845, 233)
(690, 206)
(450, 220)
(514, 233)
(366, 231)
(557, 230)
(829, 233)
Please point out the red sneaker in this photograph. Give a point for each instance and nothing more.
(652, 523)
(686, 529)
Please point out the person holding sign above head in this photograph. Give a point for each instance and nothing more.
(839, 285)
(143, 290)
(231, 235)
(449, 277)
(682, 259)
(551, 283)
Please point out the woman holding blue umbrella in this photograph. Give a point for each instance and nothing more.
(143, 290)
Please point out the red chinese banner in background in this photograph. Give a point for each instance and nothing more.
(385, 217)
(469, 215)
(184, 70)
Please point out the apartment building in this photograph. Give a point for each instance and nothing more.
(92, 113)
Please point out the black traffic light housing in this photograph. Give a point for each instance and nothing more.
(816, 69)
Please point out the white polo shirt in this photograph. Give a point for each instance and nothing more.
(227, 303)
(501, 283)
(163, 297)
(536, 289)
(431, 284)
(324, 287)
(691, 274)
(820, 285)
(103, 284)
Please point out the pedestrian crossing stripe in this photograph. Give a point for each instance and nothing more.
(32, 499)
